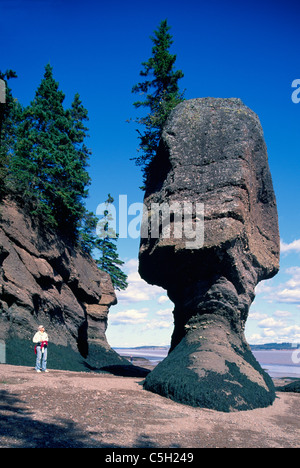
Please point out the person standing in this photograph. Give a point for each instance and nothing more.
(41, 349)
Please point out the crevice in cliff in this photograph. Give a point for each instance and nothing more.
(45, 279)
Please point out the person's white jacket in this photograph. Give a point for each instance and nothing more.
(39, 337)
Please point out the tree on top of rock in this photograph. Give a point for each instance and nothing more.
(161, 92)
(43, 166)
(10, 117)
(109, 260)
(49, 167)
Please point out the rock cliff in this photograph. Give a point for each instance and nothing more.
(45, 280)
(212, 153)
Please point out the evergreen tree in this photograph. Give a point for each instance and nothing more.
(51, 158)
(87, 237)
(43, 161)
(10, 118)
(161, 92)
(109, 260)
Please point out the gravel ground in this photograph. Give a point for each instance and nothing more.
(63, 409)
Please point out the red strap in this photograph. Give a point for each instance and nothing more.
(43, 343)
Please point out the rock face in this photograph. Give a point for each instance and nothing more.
(44, 280)
(212, 152)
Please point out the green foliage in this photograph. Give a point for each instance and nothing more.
(87, 232)
(43, 165)
(10, 117)
(49, 164)
(161, 94)
(109, 260)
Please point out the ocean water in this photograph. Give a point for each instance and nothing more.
(154, 355)
(278, 363)
(283, 363)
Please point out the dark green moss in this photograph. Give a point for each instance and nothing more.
(174, 379)
(249, 357)
(100, 357)
(21, 353)
(293, 387)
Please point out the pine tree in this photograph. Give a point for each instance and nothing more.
(43, 161)
(51, 158)
(161, 92)
(11, 112)
(109, 260)
(87, 237)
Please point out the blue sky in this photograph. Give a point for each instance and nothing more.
(239, 49)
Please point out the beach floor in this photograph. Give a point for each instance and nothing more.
(85, 410)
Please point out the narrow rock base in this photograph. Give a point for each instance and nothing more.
(212, 367)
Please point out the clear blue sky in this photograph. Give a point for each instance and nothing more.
(245, 49)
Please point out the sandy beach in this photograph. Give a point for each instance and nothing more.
(65, 409)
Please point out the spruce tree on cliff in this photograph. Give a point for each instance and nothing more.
(109, 260)
(43, 161)
(51, 158)
(10, 118)
(161, 91)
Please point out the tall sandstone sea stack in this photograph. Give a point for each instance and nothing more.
(45, 280)
(212, 152)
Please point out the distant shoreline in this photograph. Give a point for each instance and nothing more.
(265, 347)
(278, 363)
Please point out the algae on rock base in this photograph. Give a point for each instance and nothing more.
(212, 152)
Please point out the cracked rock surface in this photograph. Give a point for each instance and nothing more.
(45, 280)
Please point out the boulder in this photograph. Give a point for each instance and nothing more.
(212, 166)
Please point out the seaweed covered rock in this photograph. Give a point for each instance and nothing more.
(212, 155)
(45, 280)
(292, 387)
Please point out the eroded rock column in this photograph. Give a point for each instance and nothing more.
(212, 153)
